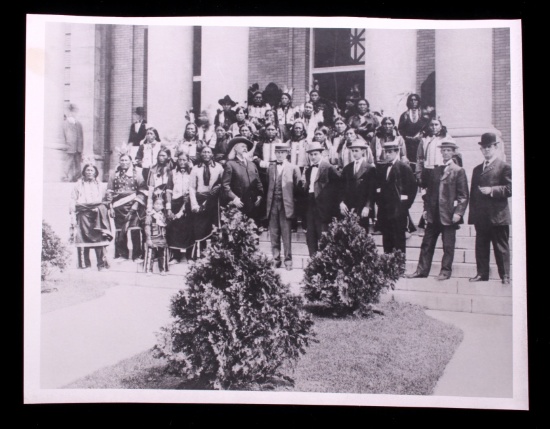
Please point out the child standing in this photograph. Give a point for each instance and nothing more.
(155, 233)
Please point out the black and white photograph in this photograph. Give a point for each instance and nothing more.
(276, 210)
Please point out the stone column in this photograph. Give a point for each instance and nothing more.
(390, 69)
(54, 80)
(464, 87)
(169, 79)
(83, 80)
(224, 66)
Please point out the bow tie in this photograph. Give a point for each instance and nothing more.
(315, 165)
(280, 163)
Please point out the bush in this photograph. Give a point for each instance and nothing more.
(236, 323)
(347, 275)
(54, 253)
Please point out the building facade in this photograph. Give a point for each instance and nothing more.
(109, 70)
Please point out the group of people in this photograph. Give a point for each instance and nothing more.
(282, 164)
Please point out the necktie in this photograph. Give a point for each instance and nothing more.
(356, 168)
(206, 175)
(486, 165)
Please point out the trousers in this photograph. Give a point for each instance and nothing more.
(280, 228)
(427, 248)
(499, 236)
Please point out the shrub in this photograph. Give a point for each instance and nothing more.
(347, 275)
(54, 253)
(236, 323)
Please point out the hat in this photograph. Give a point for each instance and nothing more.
(358, 144)
(257, 92)
(391, 146)
(227, 100)
(236, 140)
(282, 147)
(447, 144)
(488, 139)
(315, 146)
(139, 111)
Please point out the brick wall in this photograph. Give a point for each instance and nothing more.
(280, 55)
(501, 86)
(121, 84)
(425, 65)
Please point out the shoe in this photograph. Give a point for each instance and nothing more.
(277, 263)
(478, 278)
(506, 280)
(163, 273)
(138, 260)
(288, 265)
(442, 277)
(415, 275)
(173, 261)
(149, 273)
(407, 235)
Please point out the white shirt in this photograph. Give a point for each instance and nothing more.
(312, 178)
(356, 166)
(389, 168)
(488, 162)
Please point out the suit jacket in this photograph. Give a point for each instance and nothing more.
(491, 209)
(136, 138)
(326, 187)
(290, 180)
(243, 181)
(448, 191)
(396, 193)
(74, 136)
(358, 190)
(230, 118)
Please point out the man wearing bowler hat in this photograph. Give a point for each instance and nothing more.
(240, 181)
(444, 206)
(137, 131)
(321, 185)
(489, 211)
(395, 192)
(283, 179)
(226, 116)
(359, 184)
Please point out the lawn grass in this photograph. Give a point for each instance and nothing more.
(402, 352)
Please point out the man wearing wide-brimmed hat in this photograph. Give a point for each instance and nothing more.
(489, 211)
(359, 184)
(283, 179)
(321, 185)
(226, 116)
(138, 127)
(395, 192)
(444, 206)
(241, 182)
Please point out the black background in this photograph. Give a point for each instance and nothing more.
(16, 414)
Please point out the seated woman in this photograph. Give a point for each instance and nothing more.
(364, 121)
(220, 145)
(89, 218)
(204, 191)
(148, 151)
(351, 135)
(321, 135)
(127, 195)
(179, 231)
(191, 144)
(384, 134)
(241, 115)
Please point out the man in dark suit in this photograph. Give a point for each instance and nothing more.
(444, 206)
(321, 186)
(283, 179)
(396, 191)
(240, 181)
(359, 184)
(489, 211)
(137, 129)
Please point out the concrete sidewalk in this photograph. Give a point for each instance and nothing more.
(86, 337)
